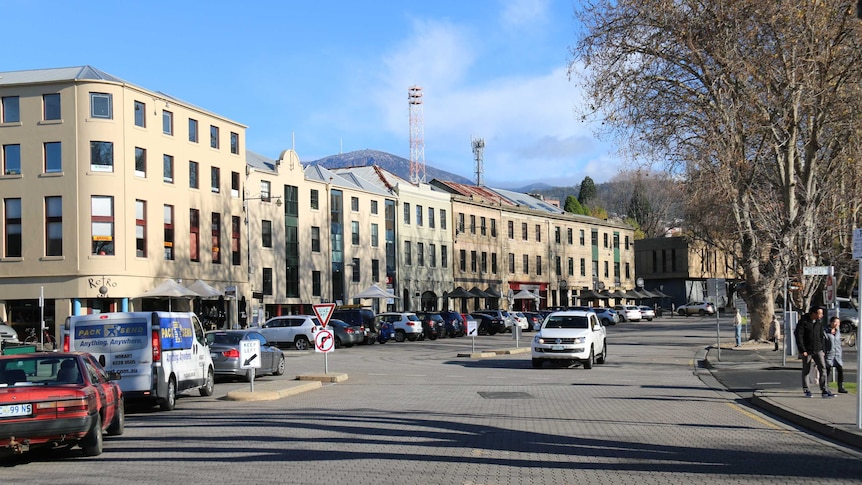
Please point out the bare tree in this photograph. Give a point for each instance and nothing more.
(753, 104)
(649, 198)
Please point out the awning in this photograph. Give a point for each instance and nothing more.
(169, 289)
(525, 295)
(479, 293)
(590, 295)
(373, 291)
(460, 293)
(204, 290)
(493, 293)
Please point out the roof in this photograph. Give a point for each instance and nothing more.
(529, 201)
(260, 162)
(348, 181)
(474, 191)
(77, 73)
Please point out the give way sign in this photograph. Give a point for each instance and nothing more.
(323, 312)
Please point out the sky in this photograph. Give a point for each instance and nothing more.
(332, 76)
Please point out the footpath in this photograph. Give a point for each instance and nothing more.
(834, 418)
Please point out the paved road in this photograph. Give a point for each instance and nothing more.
(415, 413)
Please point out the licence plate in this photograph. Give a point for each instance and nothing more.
(557, 347)
(16, 410)
(215, 355)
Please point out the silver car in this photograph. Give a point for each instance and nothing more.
(225, 348)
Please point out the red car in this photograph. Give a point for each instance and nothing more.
(59, 400)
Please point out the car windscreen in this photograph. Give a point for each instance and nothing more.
(571, 321)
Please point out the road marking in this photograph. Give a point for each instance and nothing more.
(756, 417)
(768, 383)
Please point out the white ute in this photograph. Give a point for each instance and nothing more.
(570, 336)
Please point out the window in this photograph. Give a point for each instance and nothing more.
(443, 219)
(140, 114)
(594, 238)
(265, 190)
(408, 253)
(215, 231)
(266, 287)
(102, 223)
(53, 226)
(235, 238)
(583, 267)
(628, 271)
(406, 213)
(511, 229)
(483, 229)
(525, 263)
(420, 254)
(11, 112)
(234, 184)
(168, 169)
(538, 265)
(315, 283)
(354, 233)
(472, 224)
(581, 237)
(431, 217)
(511, 263)
(494, 263)
(606, 269)
(538, 233)
(195, 235)
(169, 232)
(374, 209)
(375, 236)
(616, 240)
(141, 228)
(559, 265)
(419, 211)
(193, 130)
(234, 143)
(462, 260)
(213, 136)
(193, 175)
(315, 239)
(101, 106)
(444, 256)
(167, 122)
(627, 243)
(266, 233)
(140, 162)
(101, 156)
(53, 157)
(51, 106)
(605, 238)
(12, 159)
(571, 266)
(355, 273)
(524, 231)
(315, 199)
(375, 270)
(569, 235)
(558, 235)
(493, 227)
(12, 229)
(432, 255)
(354, 204)
(215, 179)
(483, 262)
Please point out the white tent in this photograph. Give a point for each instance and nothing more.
(373, 291)
(525, 295)
(169, 289)
(204, 290)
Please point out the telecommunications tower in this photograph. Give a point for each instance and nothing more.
(417, 135)
(478, 155)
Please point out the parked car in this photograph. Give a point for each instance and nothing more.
(407, 325)
(489, 324)
(8, 334)
(358, 316)
(696, 307)
(848, 313)
(570, 336)
(522, 321)
(628, 313)
(503, 315)
(346, 335)
(453, 323)
(296, 330)
(432, 325)
(225, 349)
(608, 316)
(647, 313)
(534, 320)
(58, 399)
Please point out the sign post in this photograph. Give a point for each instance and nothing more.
(249, 357)
(857, 255)
(472, 330)
(324, 341)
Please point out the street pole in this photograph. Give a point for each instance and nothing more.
(858, 361)
(717, 326)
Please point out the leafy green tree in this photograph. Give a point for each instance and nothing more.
(587, 192)
(572, 205)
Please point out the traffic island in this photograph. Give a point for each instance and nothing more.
(329, 377)
(494, 353)
(289, 388)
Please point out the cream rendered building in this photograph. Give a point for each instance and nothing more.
(108, 189)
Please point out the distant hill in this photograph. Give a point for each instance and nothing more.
(393, 163)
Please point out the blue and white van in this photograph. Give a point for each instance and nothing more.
(158, 354)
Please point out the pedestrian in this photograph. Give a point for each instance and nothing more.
(737, 325)
(775, 331)
(832, 348)
(809, 340)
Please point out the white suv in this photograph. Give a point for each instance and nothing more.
(296, 330)
(570, 335)
(407, 325)
(629, 313)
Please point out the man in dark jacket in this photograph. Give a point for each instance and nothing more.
(809, 341)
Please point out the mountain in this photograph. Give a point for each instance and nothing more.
(393, 163)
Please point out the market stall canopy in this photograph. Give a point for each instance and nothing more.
(525, 295)
(169, 289)
(460, 293)
(632, 295)
(591, 295)
(204, 290)
(647, 294)
(479, 293)
(619, 294)
(373, 291)
(660, 294)
(493, 293)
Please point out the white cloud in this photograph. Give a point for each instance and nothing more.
(518, 13)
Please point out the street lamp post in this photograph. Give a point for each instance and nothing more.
(564, 290)
(250, 268)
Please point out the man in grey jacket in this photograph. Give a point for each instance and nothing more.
(832, 347)
(809, 340)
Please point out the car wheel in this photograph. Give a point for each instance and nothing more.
(590, 360)
(606, 321)
(209, 385)
(846, 328)
(92, 443)
(432, 337)
(169, 401)
(399, 335)
(279, 369)
(604, 355)
(682, 312)
(537, 363)
(701, 312)
(301, 343)
(338, 343)
(118, 424)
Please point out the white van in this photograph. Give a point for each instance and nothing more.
(158, 354)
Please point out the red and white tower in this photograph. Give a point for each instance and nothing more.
(417, 135)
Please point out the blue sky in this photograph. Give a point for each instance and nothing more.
(333, 75)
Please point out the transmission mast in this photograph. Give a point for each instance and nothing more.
(478, 155)
(417, 135)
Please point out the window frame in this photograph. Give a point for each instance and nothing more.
(47, 114)
(109, 101)
(101, 167)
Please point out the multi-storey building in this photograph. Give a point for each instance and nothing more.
(107, 189)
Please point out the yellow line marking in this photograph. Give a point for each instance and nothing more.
(756, 417)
